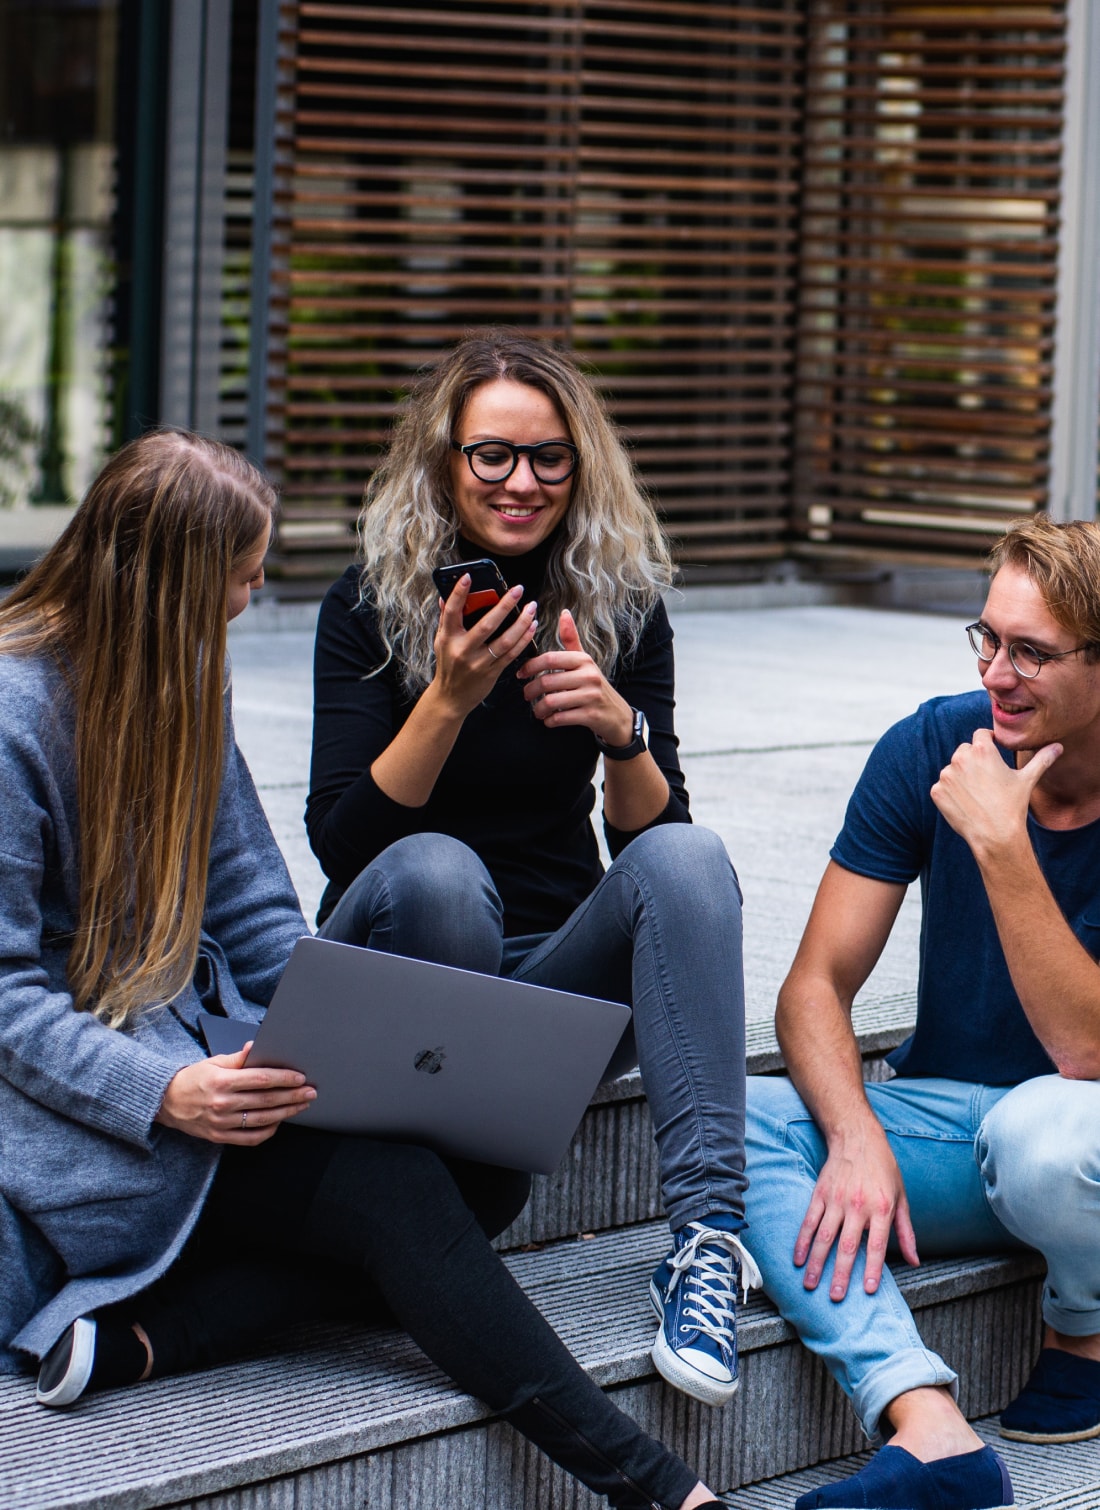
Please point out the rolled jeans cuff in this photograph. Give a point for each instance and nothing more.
(916, 1368)
(1068, 1321)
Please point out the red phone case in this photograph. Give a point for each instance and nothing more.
(479, 600)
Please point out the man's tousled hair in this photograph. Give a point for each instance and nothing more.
(1063, 560)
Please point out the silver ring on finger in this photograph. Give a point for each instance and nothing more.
(244, 1120)
(492, 652)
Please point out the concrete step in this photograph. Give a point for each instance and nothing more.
(609, 1177)
(1043, 1478)
(335, 1417)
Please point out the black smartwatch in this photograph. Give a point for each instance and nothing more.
(639, 741)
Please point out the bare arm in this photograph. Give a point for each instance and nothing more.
(634, 791)
(1058, 983)
(860, 1188)
(466, 672)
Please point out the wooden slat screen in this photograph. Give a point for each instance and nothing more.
(928, 264)
(621, 175)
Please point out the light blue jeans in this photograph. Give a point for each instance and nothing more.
(985, 1168)
(660, 932)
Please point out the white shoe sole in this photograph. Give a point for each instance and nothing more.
(674, 1371)
(74, 1381)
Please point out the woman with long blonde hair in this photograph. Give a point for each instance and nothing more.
(150, 1219)
(454, 753)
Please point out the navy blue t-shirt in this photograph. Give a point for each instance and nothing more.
(970, 1025)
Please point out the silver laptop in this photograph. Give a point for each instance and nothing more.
(488, 1069)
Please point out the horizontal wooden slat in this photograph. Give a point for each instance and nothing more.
(962, 547)
(809, 252)
(639, 11)
(931, 219)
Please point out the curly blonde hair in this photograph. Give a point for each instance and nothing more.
(610, 561)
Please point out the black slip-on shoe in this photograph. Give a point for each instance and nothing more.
(67, 1367)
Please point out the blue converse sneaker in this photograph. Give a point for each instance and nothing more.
(694, 1292)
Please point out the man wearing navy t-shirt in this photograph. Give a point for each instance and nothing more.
(989, 1136)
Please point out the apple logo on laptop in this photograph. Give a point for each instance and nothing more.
(430, 1061)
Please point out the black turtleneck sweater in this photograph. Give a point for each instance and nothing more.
(517, 793)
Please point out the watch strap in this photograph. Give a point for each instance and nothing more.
(639, 741)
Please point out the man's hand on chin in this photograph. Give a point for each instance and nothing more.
(984, 800)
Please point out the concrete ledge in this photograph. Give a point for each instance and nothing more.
(1044, 1478)
(324, 1410)
(352, 1415)
(268, 615)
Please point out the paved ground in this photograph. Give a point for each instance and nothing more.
(777, 710)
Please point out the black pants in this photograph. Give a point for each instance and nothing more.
(312, 1224)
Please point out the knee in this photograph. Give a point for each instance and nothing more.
(1039, 1152)
(434, 881)
(689, 860)
(430, 868)
(428, 896)
(680, 843)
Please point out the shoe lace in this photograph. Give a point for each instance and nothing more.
(706, 1266)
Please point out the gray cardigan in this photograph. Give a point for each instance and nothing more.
(95, 1199)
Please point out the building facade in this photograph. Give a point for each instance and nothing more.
(834, 262)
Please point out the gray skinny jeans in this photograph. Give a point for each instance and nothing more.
(661, 932)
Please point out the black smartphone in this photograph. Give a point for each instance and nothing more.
(487, 587)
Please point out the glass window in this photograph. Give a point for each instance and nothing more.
(57, 185)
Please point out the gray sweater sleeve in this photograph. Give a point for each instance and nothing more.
(67, 1060)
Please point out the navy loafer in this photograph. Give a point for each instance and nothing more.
(1059, 1403)
(895, 1480)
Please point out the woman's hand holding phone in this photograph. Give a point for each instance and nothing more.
(466, 671)
(467, 666)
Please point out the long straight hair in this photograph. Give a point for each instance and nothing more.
(131, 602)
(610, 561)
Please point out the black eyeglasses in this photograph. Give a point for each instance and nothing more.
(496, 460)
(1027, 660)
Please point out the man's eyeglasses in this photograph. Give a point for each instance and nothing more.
(1027, 660)
(495, 460)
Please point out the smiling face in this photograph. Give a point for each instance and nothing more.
(1062, 703)
(510, 517)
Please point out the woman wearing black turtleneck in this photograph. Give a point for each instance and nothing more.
(529, 815)
(451, 788)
